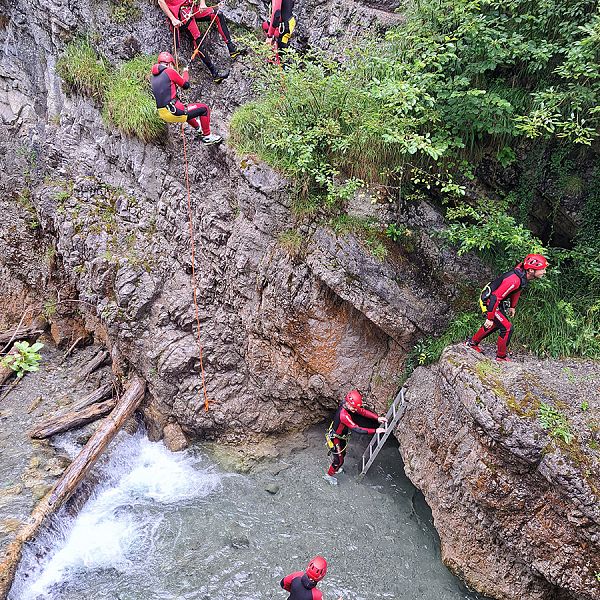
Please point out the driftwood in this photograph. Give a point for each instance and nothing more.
(20, 334)
(104, 391)
(70, 479)
(72, 420)
(6, 372)
(92, 365)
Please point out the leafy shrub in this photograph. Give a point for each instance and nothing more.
(129, 104)
(83, 70)
(458, 77)
(26, 360)
(555, 423)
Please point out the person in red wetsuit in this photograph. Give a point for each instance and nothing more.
(281, 25)
(342, 424)
(499, 301)
(302, 585)
(165, 81)
(188, 12)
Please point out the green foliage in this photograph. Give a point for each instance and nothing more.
(555, 423)
(83, 70)
(457, 77)
(487, 229)
(124, 11)
(129, 104)
(365, 229)
(291, 241)
(585, 405)
(429, 350)
(25, 360)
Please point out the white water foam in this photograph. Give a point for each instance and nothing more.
(103, 535)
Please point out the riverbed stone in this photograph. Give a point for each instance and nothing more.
(174, 438)
(272, 488)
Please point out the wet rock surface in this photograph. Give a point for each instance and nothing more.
(29, 468)
(515, 499)
(283, 337)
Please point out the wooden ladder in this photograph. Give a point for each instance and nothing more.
(394, 414)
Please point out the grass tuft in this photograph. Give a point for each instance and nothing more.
(129, 105)
(83, 70)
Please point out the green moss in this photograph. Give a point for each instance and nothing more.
(124, 11)
(83, 70)
(129, 104)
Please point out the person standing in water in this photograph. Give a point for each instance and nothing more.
(342, 425)
(302, 585)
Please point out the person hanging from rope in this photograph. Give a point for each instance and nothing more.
(498, 301)
(165, 81)
(280, 26)
(339, 431)
(188, 12)
(302, 585)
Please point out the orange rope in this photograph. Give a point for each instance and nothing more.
(193, 247)
(197, 49)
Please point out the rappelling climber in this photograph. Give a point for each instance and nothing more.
(280, 26)
(302, 585)
(498, 302)
(165, 81)
(188, 12)
(339, 431)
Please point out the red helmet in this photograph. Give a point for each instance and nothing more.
(353, 399)
(317, 568)
(535, 261)
(166, 57)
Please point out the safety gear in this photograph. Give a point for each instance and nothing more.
(210, 139)
(354, 399)
(166, 57)
(317, 567)
(535, 261)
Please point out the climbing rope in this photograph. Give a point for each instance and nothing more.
(193, 257)
(213, 19)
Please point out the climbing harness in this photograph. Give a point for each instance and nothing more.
(286, 28)
(486, 292)
(330, 438)
(169, 114)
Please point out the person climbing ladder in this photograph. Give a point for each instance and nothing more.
(499, 299)
(342, 424)
(165, 81)
(188, 12)
(280, 26)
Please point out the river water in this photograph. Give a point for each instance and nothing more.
(164, 526)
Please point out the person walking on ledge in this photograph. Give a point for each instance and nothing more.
(302, 585)
(499, 301)
(165, 81)
(339, 430)
(188, 12)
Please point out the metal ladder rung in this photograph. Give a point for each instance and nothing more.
(379, 439)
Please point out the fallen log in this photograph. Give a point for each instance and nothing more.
(6, 372)
(70, 479)
(20, 333)
(104, 391)
(91, 366)
(71, 420)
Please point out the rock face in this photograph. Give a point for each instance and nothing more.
(517, 506)
(284, 335)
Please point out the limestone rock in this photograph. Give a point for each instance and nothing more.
(516, 506)
(174, 438)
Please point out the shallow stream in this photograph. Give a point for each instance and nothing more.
(163, 526)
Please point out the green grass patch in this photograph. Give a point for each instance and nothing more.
(555, 423)
(83, 70)
(291, 241)
(129, 104)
